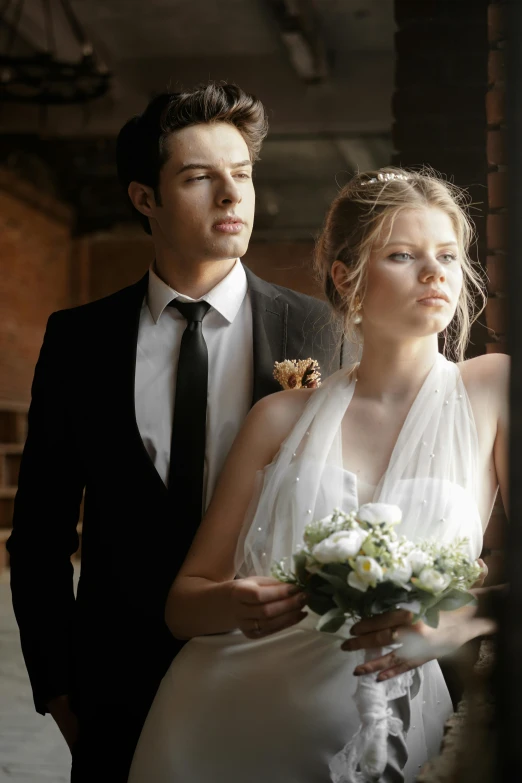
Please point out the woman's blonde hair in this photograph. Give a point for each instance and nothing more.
(355, 221)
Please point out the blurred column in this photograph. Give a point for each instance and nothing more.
(439, 101)
(509, 668)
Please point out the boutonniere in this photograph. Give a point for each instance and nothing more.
(298, 373)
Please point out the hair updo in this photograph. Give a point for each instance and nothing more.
(354, 223)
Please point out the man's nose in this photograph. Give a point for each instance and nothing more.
(229, 192)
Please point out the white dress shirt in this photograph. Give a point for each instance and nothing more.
(227, 329)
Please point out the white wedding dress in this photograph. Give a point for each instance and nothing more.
(277, 709)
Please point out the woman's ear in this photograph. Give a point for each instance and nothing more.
(142, 198)
(339, 275)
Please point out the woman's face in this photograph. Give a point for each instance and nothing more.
(415, 278)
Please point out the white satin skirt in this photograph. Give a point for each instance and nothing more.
(236, 710)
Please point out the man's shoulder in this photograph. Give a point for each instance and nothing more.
(287, 295)
(100, 309)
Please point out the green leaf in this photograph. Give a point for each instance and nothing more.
(348, 598)
(320, 604)
(337, 581)
(454, 599)
(337, 569)
(431, 617)
(300, 568)
(331, 621)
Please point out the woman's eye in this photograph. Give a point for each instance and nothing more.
(401, 256)
(448, 257)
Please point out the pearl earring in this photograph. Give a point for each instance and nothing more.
(357, 317)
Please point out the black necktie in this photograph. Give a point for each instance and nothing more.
(187, 451)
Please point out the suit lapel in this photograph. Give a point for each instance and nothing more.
(123, 371)
(269, 326)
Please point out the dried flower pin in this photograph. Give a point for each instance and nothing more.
(298, 373)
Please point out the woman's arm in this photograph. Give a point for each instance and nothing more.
(205, 598)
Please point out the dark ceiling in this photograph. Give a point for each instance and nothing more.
(319, 132)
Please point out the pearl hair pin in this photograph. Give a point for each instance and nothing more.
(385, 176)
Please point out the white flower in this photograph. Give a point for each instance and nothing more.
(418, 559)
(357, 582)
(326, 520)
(339, 546)
(400, 573)
(432, 580)
(368, 570)
(375, 513)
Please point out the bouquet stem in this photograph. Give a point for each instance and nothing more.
(363, 759)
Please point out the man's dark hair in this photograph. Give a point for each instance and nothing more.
(141, 148)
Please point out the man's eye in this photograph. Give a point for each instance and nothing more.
(401, 256)
(243, 175)
(198, 179)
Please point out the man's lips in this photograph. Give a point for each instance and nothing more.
(229, 225)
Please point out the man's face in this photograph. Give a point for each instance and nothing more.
(207, 199)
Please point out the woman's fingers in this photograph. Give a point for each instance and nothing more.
(377, 665)
(259, 594)
(382, 621)
(369, 641)
(272, 609)
(388, 666)
(255, 629)
(400, 668)
(482, 578)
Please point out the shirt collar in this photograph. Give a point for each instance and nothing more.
(226, 297)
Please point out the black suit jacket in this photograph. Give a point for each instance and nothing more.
(110, 645)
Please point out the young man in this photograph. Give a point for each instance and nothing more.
(136, 401)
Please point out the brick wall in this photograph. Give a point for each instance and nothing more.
(35, 248)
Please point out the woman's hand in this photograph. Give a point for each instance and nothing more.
(262, 605)
(422, 642)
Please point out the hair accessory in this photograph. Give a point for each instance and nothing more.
(385, 176)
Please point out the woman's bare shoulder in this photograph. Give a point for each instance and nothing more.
(486, 379)
(275, 415)
(490, 370)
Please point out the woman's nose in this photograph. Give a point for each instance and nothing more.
(432, 269)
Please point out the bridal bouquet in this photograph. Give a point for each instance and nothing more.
(355, 565)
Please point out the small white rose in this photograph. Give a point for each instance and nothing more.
(400, 573)
(339, 546)
(418, 559)
(375, 513)
(355, 581)
(368, 570)
(432, 580)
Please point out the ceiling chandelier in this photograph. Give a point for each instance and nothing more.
(32, 71)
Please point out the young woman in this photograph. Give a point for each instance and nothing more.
(258, 695)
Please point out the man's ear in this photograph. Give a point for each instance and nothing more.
(142, 197)
(339, 275)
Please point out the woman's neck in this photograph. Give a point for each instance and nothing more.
(393, 369)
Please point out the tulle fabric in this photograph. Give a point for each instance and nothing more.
(431, 475)
(232, 709)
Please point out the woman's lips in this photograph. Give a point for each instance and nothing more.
(432, 301)
(229, 227)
